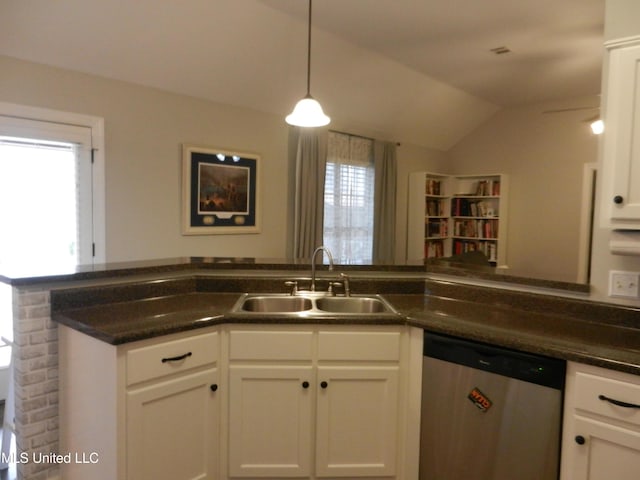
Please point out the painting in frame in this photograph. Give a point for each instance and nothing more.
(220, 191)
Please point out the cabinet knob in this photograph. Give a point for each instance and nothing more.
(580, 440)
(305, 384)
(618, 199)
(214, 387)
(324, 384)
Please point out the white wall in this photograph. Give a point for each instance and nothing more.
(544, 155)
(622, 19)
(144, 130)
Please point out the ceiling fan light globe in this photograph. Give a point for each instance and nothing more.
(308, 113)
(597, 127)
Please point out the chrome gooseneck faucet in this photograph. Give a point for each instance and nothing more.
(324, 249)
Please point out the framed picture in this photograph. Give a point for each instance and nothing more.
(220, 191)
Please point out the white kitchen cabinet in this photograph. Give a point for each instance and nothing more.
(243, 401)
(357, 421)
(270, 421)
(601, 439)
(315, 402)
(621, 138)
(147, 409)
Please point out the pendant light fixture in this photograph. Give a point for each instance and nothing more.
(308, 112)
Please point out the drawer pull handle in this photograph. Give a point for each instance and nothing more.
(177, 359)
(618, 402)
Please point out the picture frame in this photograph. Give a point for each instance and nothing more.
(219, 191)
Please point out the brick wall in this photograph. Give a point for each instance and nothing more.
(35, 362)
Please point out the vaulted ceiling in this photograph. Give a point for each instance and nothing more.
(417, 71)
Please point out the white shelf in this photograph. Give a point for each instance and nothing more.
(448, 198)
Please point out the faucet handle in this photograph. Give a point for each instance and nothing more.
(294, 286)
(332, 285)
(345, 281)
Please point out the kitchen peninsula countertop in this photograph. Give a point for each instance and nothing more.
(582, 331)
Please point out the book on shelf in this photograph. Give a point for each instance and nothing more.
(433, 187)
(488, 248)
(467, 207)
(433, 249)
(436, 228)
(488, 188)
(484, 229)
(435, 208)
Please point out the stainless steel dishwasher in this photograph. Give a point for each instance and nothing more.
(489, 413)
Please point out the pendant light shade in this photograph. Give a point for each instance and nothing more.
(308, 112)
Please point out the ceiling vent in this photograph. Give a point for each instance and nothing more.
(500, 50)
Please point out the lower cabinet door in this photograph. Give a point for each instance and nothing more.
(172, 429)
(357, 421)
(270, 421)
(603, 451)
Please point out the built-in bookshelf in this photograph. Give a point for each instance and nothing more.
(451, 215)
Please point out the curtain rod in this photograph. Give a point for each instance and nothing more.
(359, 136)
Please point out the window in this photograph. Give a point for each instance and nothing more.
(348, 198)
(45, 196)
(52, 188)
(38, 203)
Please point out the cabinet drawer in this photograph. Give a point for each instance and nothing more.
(345, 346)
(146, 363)
(590, 391)
(270, 345)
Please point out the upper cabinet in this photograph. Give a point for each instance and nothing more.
(451, 215)
(621, 139)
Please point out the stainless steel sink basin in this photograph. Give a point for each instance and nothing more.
(285, 304)
(351, 305)
(313, 304)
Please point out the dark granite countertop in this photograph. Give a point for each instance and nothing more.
(128, 321)
(586, 332)
(551, 334)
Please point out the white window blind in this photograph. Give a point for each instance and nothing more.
(348, 198)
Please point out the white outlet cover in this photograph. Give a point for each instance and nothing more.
(624, 284)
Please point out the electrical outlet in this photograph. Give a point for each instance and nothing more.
(624, 284)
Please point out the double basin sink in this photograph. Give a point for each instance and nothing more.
(312, 304)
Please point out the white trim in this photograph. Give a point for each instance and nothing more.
(586, 220)
(622, 42)
(96, 124)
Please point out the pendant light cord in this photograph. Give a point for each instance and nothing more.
(309, 55)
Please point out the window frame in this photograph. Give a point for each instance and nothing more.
(21, 116)
(355, 164)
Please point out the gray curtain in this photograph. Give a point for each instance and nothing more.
(307, 158)
(384, 203)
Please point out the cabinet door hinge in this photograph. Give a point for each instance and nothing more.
(93, 249)
(93, 155)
